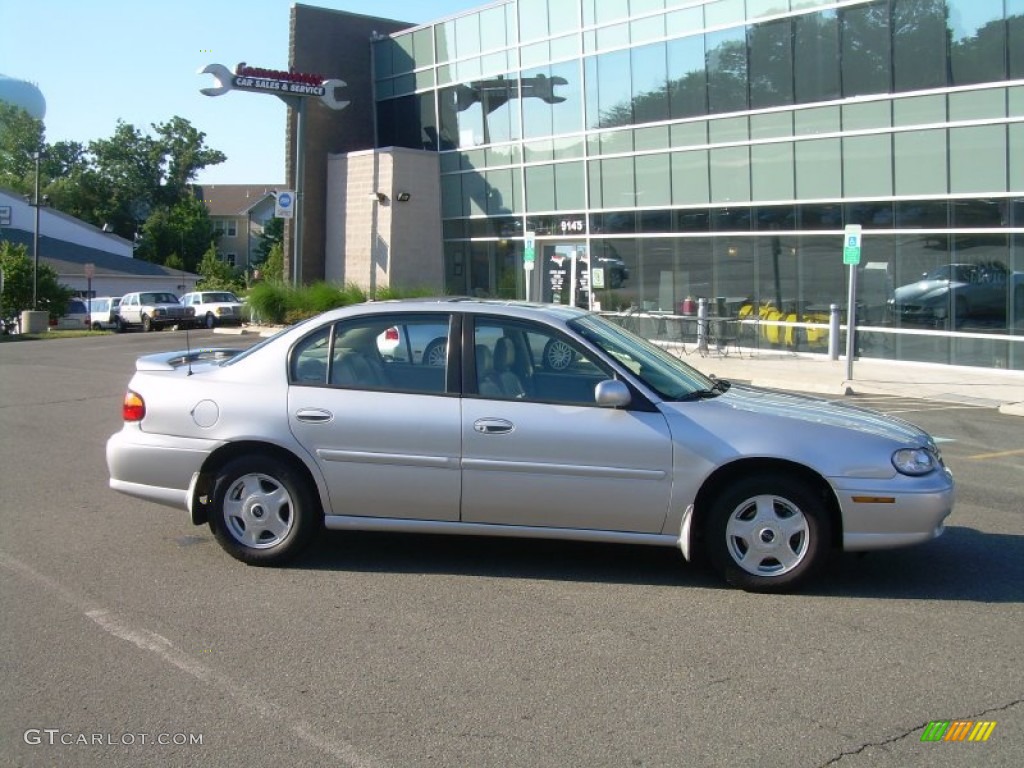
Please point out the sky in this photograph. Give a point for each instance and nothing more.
(137, 60)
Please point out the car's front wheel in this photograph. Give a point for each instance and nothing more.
(263, 513)
(147, 323)
(768, 533)
(210, 321)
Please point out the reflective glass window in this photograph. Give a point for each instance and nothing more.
(444, 41)
(540, 188)
(614, 36)
(653, 180)
(407, 122)
(693, 134)
(687, 77)
(655, 137)
(637, 7)
(977, 41)
(614, 90)
(771, 125)
(977, 159)
(819, 216)
(721, 12)
(533, 19)
(977, 105)
(867, 166)
(870, 215)
(502, 191)
(771, 64)
(467, 34)
(650, 97)
(383, 57)
(975, 212)
(452, 201)
(1016, 151)
(919, 44)
(817, 120)
(758, 8)
(651, 28)
(610, 10)
(919, 110)
(690, 178)
(569, 193)
(730, 175)
(865, 49)
(816, 52)
(871, 114)
(727, 130)
(771, 167)
(493, 33)
(818, 169)
(1015, 37)
(403, 52)
(727, 70)
(921, 163)
(922, 214)
(423, 47)
(685, 21)
(618, 183)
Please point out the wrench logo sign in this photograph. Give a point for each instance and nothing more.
(281, 84)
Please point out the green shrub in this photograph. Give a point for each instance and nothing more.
(269, 301)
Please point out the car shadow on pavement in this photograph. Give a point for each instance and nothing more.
(962, 564)
(507, 558)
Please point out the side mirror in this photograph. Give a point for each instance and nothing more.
(612, 393)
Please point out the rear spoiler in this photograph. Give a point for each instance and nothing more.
(169, 361)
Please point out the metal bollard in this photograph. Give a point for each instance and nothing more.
(702, 325)
(833, 331)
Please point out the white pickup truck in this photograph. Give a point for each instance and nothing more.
(152, 310)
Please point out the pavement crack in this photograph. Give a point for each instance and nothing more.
(905, 734)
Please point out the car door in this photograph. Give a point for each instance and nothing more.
(386, 434)
(129, 309)
(538, 451)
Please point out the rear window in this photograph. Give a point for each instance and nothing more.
(76, 307)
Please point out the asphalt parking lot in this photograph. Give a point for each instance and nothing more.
(125, 627)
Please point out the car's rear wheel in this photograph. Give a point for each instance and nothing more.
(768, 533)
(436, 353)
(263, 513)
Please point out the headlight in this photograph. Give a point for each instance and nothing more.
(914, 461)
(157, 312)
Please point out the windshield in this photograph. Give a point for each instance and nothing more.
(159, 298)
(660, 370)
(219, 297)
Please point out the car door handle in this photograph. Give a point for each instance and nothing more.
(493, 426)
(314, 415)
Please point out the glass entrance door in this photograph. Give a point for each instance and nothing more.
(561, 267)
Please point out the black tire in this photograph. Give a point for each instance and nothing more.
(436, 352)
(121, 325)
(779, 551)
(147, 323)
(210, 321)
(558, 355)
(97, 327)
(263, 513)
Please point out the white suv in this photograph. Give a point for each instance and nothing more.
(213, 308)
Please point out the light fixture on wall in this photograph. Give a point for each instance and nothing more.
(403, 197)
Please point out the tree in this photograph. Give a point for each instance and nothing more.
(17, 294)
(272, 270)
(183, 228)
(20, 136)
(217, 274)
(272, 234)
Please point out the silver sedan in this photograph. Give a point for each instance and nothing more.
(534, 421)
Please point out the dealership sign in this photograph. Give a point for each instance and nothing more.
(273, 81)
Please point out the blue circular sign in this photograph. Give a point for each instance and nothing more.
(284, 200)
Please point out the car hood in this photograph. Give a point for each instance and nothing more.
(748, 421)
(925, 290)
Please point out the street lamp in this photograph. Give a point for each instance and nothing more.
(35, 234)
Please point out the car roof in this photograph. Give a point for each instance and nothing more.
(558, 312)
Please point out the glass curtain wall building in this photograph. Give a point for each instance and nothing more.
(718, 150)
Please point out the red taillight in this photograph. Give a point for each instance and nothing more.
(134, 407)
(391, 334)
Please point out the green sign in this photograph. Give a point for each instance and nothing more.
(529, 252)
(851, 245)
